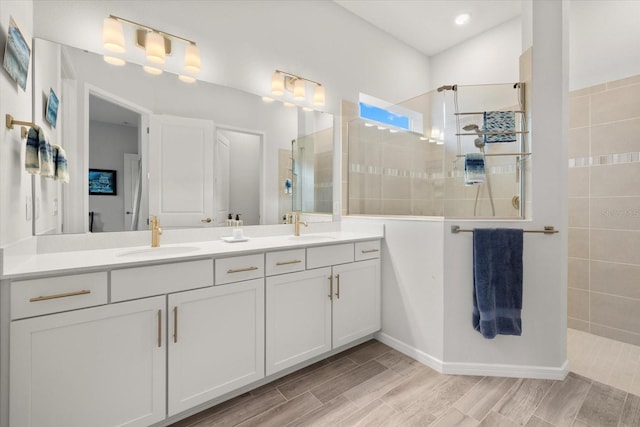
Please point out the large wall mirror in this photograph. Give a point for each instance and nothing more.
(193, 154)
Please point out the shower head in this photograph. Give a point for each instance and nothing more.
(471, 127)
(479, 143)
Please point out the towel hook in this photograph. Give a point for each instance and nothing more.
(10, 121)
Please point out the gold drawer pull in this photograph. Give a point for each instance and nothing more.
(240, 270)
(368, 251)
(293, 261)
(159, 328)
(175, 324)
(67, 294)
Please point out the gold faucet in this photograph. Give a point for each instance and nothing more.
(296, 230)
(156, 231)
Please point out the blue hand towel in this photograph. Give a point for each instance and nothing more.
(47, 167)
(497, 281)
(60, 162)
(474, 168)
(31, 156)
(499, 121)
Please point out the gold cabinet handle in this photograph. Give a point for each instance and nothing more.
(293, 261)
(240, 270)
(368, 251)
(330, 288)
(175, 324)
(67, 294)
(338, 286)
(159, 328)
(207, 220)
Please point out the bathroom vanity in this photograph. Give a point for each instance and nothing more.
(135, 336)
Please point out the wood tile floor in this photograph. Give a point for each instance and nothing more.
(604, 360)
(374, 385)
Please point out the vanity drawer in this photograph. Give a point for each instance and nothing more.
(139, 282)
(285, 261)
(367, 250)
(324, 256)
(236, 269)
(53, 294)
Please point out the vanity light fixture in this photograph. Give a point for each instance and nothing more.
(283, 82)
(157, 45)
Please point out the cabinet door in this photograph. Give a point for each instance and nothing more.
(102, 366)
(356, 301)
(216, 342)
(298, 317)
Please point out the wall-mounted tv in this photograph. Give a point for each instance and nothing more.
(102, 182)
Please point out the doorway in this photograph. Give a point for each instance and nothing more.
(244, 183)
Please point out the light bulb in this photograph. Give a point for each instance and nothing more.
(114, 60)
(299, 90)
(318, 95)
(152, 70)
(186, 79)
(154, 46)
(192, 59)
(277, 84)
(112, 35)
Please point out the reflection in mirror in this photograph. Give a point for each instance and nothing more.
(164, 173)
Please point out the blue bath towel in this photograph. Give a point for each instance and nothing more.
(47, 167)
(497, 281)
(32, 156)
(499, 121)
(474, 168)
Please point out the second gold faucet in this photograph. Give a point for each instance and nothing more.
(297, 222)
(156, 231)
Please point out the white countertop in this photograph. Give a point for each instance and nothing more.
(100, 259)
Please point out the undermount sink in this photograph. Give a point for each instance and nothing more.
(162, 250)
(312, 237)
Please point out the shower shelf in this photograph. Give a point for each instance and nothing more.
(491, 133)
(500, 154)
(475, 113)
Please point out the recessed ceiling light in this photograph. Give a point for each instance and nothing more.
(367, 124)
(267, 99)
(463, 19)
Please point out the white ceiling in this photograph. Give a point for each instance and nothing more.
(428, 25)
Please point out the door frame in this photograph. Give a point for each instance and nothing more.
(261, 174)
(143, 146)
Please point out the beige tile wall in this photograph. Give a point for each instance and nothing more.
(604, 210)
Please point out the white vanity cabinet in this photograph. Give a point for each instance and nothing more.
(101, 366)
(298, 318)
(216, 342)
(322, 308)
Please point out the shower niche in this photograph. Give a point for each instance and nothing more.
(407, 173)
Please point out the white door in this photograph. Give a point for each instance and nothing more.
(101, 366)
(222, 178)
(131, 183)
(181, 171)
(298, 318)
(356, 301)
(216, 342)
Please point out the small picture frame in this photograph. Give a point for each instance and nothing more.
(102, 182)
(51, 115)
(17, 55)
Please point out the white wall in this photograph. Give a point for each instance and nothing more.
(15, 183)
(604, 41)
(491, 57)
(244, 176)
(107, 145)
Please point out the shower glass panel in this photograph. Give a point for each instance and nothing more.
(403, 173)
(313, 172)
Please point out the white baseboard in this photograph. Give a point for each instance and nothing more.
(482, 369)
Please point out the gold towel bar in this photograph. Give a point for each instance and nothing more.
(548, 229)
(10, 121)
